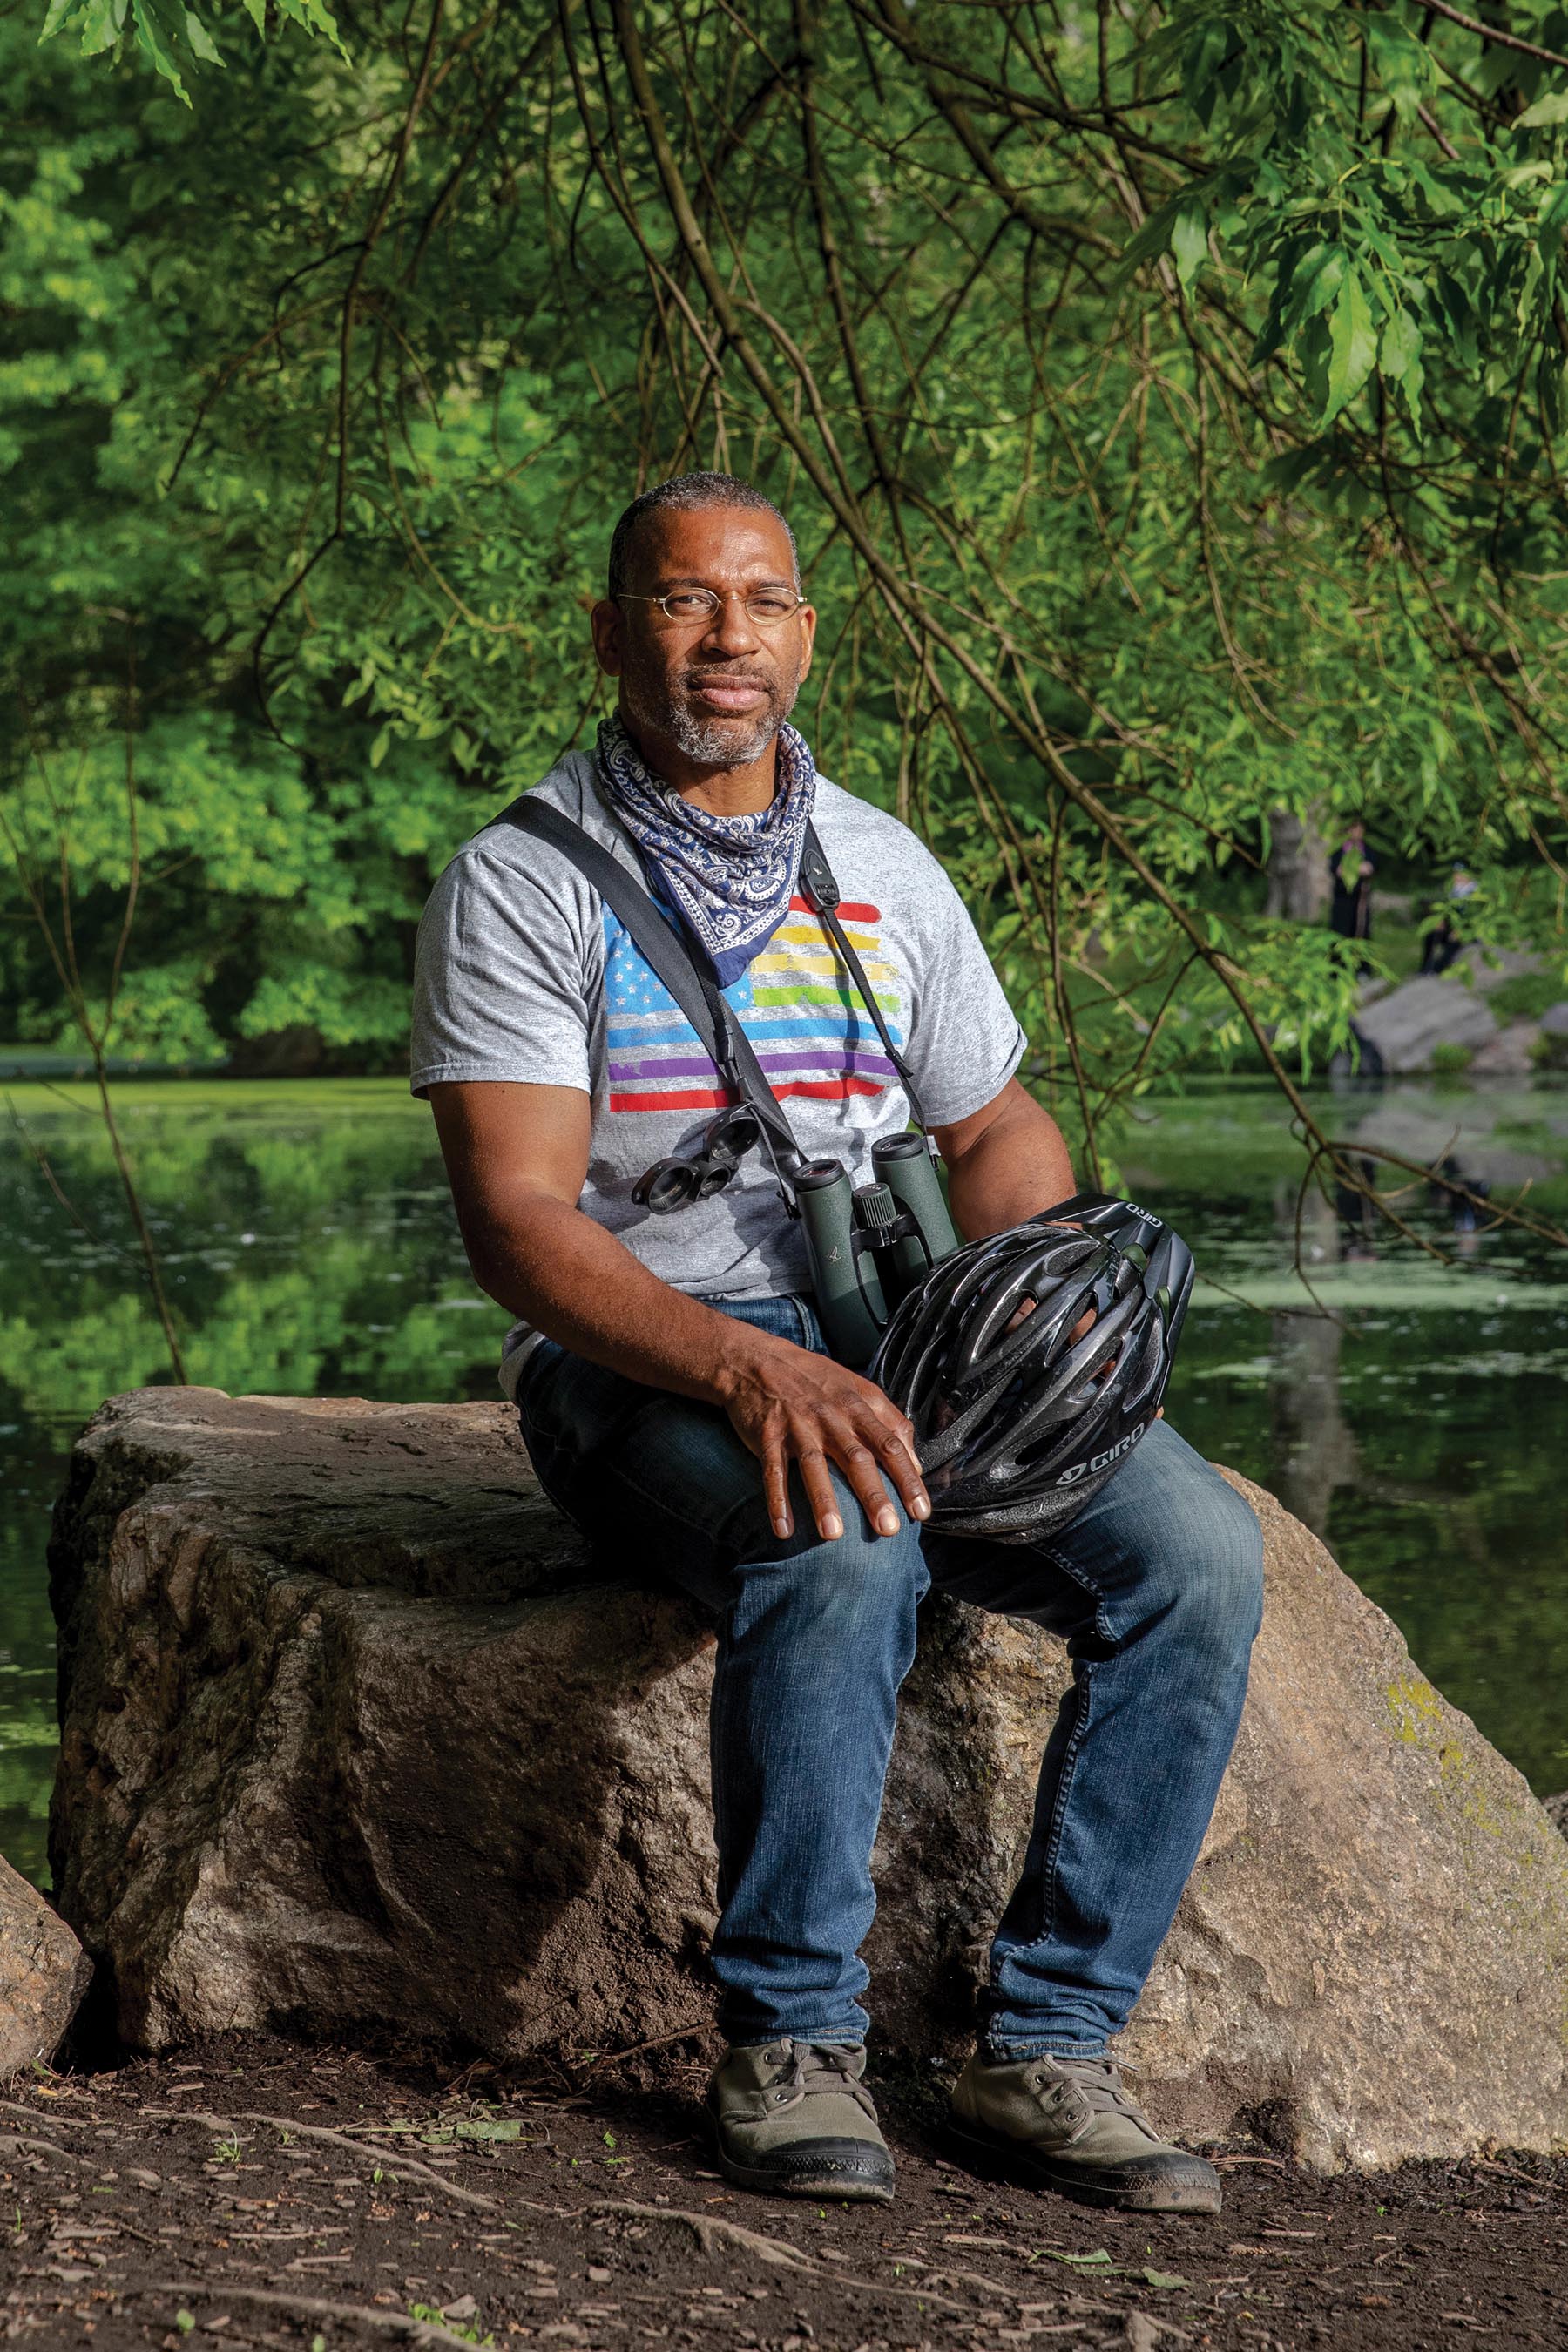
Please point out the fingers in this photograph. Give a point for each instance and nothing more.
(858, 1463)
(819, 1492)
(849, 1425)
(775, 1481)
(902, 1465)
(864, 1449)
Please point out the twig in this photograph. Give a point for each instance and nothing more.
(659, 2042)
(18, 2142)
(390, 2159)
(394, 2322)
(1490, 33)
(711, 2233)
(1512, 2172)
(50, 1178)
(30, 2116)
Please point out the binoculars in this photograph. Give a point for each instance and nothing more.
(870, 1244)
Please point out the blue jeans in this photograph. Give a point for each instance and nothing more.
(1156, 1588)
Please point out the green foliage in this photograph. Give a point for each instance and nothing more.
(1529, 994)
(1170, 419)
(469, 2335)
(172, 36)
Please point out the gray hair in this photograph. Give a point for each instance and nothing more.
(688, 490)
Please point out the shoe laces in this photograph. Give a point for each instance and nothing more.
(807, 2068)
(1099, 2084)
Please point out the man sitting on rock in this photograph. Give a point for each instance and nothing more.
(678, 1403)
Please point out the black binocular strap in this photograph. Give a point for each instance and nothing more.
(661, 947)
(822, 889)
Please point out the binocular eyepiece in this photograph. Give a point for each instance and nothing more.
(671, 1184)
(869, 1245)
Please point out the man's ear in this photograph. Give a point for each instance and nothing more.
(808, 622)
(608, 623)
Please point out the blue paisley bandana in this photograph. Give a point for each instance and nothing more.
(731, 878)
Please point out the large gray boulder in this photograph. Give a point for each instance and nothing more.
(353, 1737)
(43, 1972)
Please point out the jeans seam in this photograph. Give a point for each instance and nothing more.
(1102, 1624)
(1052, 1857)
(1009, 2047)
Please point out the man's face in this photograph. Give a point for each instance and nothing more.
(715, 689)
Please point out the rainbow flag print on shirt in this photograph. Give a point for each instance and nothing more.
(811, 1034)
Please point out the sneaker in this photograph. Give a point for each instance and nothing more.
(794, 2118)
(1068, 2124)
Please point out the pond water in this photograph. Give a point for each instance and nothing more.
(310, 1250)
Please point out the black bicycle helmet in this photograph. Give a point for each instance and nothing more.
(1017, 1429)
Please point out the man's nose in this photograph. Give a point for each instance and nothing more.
(732, 630)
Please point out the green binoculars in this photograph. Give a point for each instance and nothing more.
(870, 1244)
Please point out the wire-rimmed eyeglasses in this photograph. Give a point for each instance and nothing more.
(768, 607)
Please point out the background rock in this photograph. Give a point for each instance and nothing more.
(44, 1973)
(1511, 1053)
(353, 1736)
(1411, 1021)
(1489, 967)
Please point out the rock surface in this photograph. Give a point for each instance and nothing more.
(1511, 1053)
(353, 1736)
(44, 1973)
(1409, 1024)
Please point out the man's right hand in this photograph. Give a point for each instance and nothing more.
(791, 1405)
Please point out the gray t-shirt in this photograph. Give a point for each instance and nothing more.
(520, 974)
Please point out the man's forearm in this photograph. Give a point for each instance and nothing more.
(1015, 1167)
(579, 1285)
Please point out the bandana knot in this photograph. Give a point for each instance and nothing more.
(729, 879)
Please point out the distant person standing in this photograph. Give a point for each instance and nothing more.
(1444, 940)
(1350, 869)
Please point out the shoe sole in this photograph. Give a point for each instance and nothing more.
(997, 2159)
(862, 2187)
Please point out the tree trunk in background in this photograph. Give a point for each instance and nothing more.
(1297, 868)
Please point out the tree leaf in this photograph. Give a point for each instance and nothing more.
(202, 43)
(1352, 345)
(1189, 239)
(102, 25)
(159, 36)
(1405, 67)
(59, 16)
(1318, 278)
(1552, 226)
(1552, 107)
(1399, 347)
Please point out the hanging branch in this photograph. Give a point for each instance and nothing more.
(97, 1030)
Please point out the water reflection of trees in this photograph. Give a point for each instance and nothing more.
(1312, 1450)
(307, 1254)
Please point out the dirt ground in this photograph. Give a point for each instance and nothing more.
(247, 2192)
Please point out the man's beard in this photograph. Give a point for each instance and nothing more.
(714, 742)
